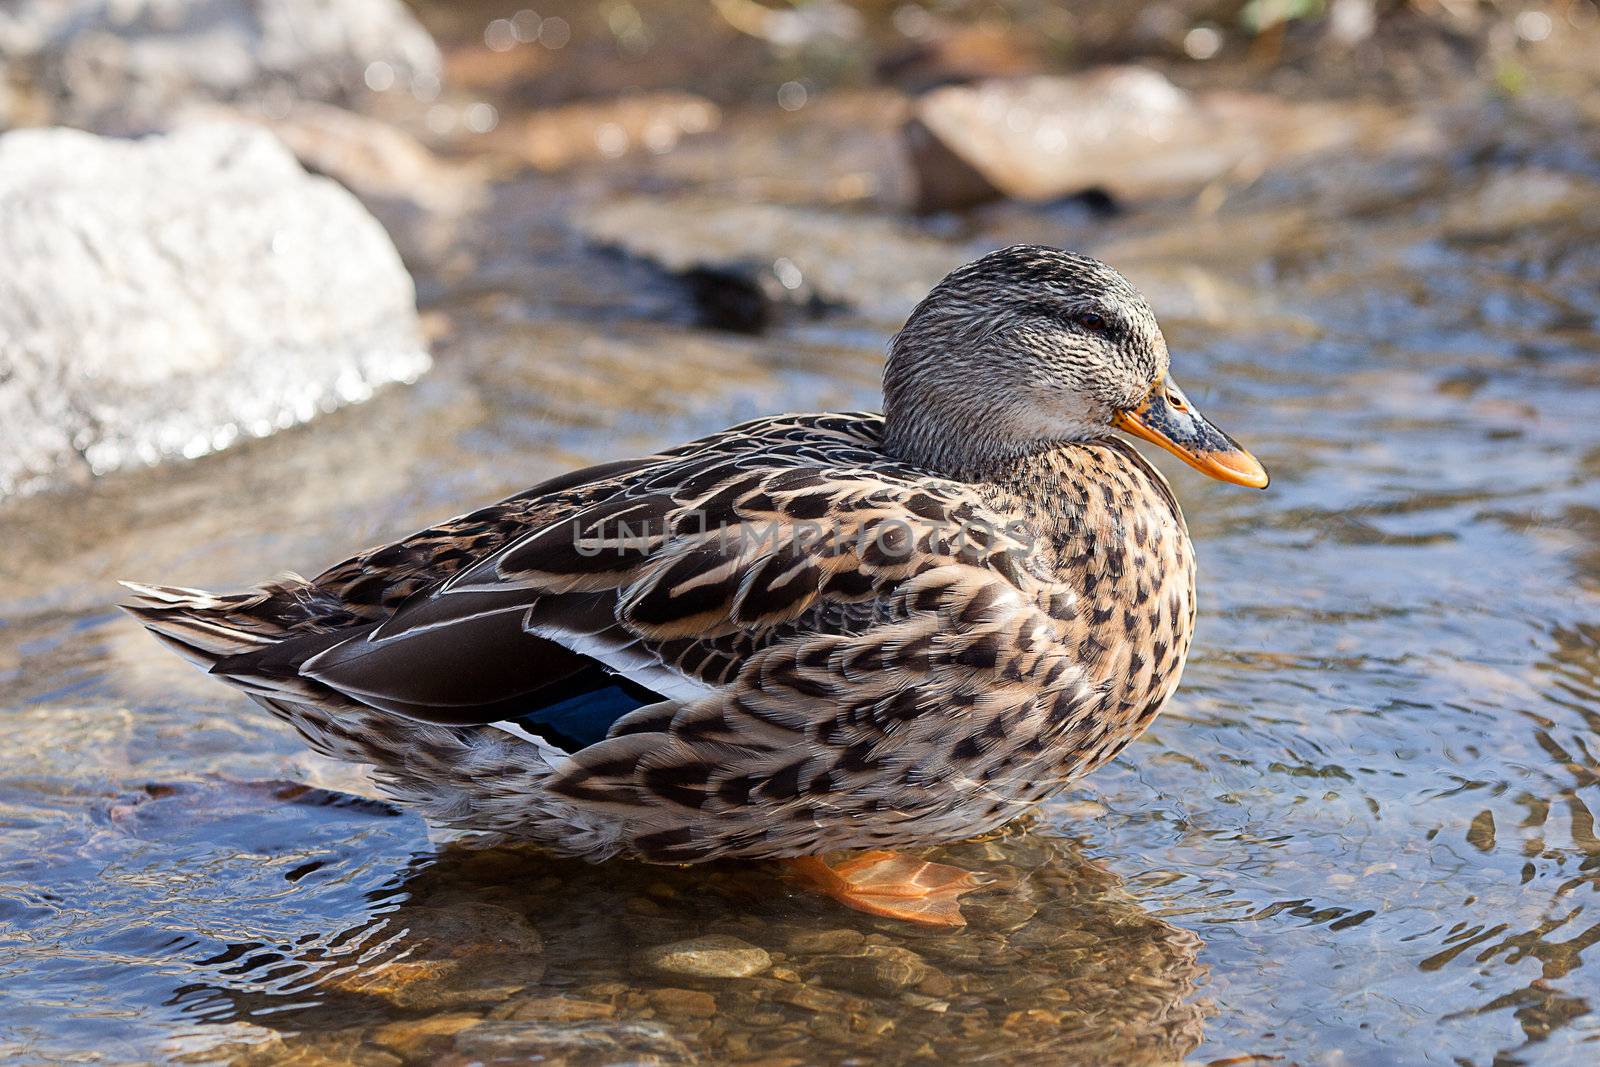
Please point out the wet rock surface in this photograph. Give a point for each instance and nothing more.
(168, 297)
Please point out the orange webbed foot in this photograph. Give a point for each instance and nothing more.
(896, 886)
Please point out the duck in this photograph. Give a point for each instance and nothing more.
(822, 639)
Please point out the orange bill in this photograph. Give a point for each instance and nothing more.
(1166, 418)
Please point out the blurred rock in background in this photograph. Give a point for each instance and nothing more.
(169, 296)
(124, 66)
(1122, 133)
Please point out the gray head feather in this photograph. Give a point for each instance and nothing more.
(1014, 353)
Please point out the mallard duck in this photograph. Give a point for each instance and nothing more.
(805, 635)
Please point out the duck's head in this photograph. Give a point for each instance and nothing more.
(1031, 347)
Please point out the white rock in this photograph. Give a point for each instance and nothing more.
(165, 297)
(419, 197)
(124, 65)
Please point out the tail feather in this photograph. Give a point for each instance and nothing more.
(206, 627)
(192, 622)
(476, 779)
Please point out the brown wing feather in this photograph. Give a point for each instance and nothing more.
(374, 583)
(817, 733)
(673, 573)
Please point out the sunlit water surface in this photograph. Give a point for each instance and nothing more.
(1364, 831)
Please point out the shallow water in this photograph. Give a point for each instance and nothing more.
(1364, 831)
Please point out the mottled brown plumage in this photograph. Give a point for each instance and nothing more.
(802, 634)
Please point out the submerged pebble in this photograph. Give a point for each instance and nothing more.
(683, 1002)
(577, 1044)
(715, 956)
(872, 970)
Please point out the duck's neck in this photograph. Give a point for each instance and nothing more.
(959, 422)
(975, 448)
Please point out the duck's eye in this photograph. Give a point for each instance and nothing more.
(1092, 321)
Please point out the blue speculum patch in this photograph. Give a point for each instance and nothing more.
(584, 718)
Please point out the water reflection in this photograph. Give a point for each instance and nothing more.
(508, 955)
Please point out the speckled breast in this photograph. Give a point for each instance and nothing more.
(1114, 542)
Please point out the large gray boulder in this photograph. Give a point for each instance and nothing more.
(120, 66)
(169, 296)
